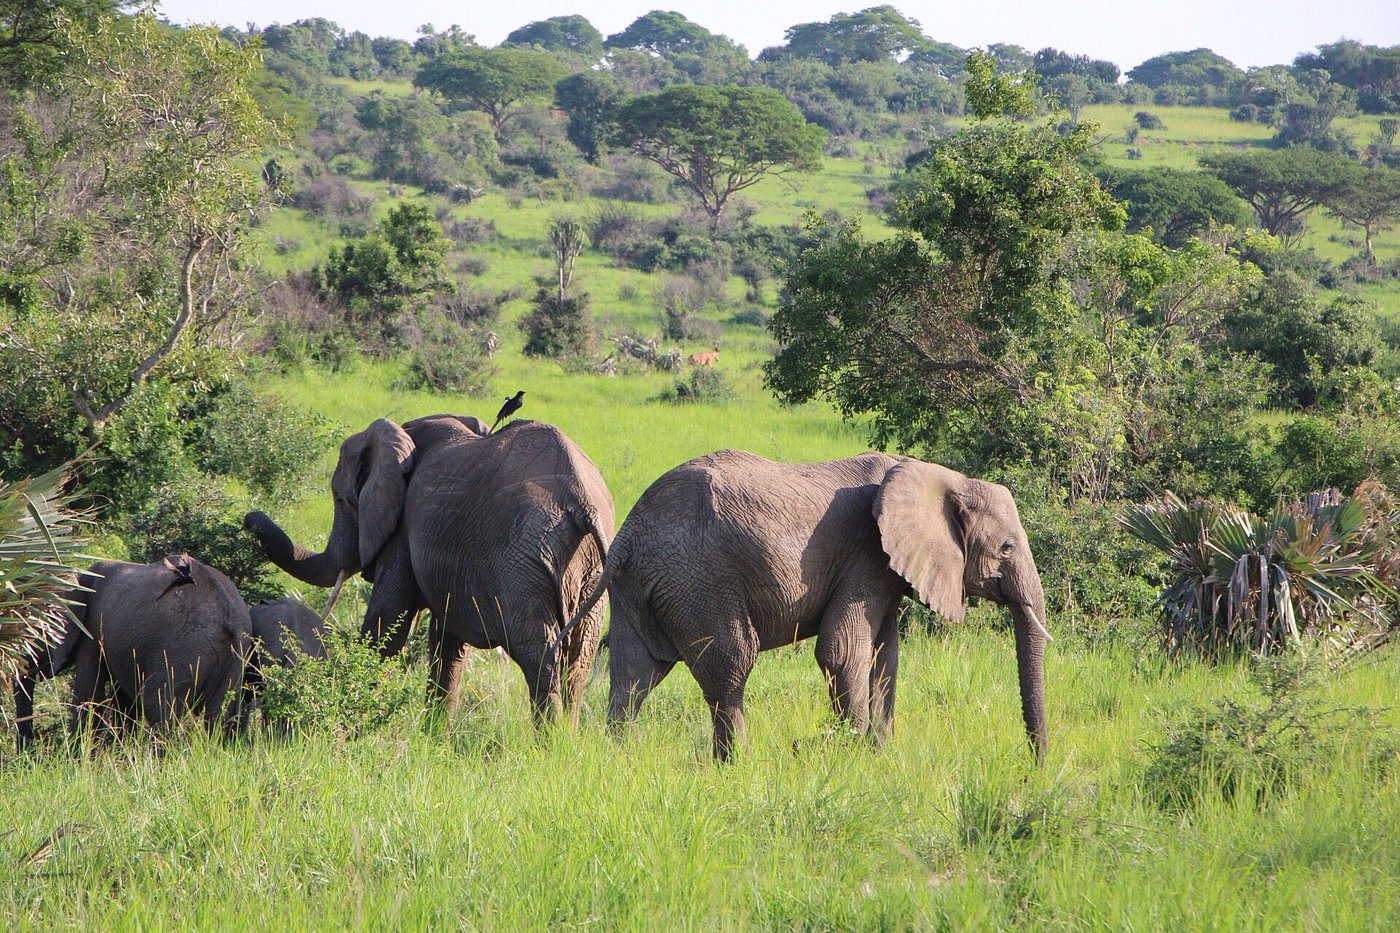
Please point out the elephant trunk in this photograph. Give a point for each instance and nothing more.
(317, 568)
(1030, 669)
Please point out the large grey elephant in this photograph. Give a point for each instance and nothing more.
(731, 554)
(500, 535)
(150, 641)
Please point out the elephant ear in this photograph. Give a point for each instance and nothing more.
(918, 515)
(385, 461)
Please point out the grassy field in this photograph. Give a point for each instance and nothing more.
(490, 825)
(486, 823)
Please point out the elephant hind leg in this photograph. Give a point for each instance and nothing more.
(721, 661)
(632, 671)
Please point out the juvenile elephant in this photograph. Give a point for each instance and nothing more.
(731, 554)
(152, 642)
(284, 624)
(500, 535)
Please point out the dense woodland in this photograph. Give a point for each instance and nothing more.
(1175, 337)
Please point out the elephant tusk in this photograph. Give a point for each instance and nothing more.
(335, 593)
(1035, 624)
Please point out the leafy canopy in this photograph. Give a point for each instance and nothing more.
(719, 140)
(491, 80)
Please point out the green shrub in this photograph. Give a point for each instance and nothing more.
(1234, 747)
(351, 692)
(557, 326)
(446, 357)
(261, 440)
(195, 516)
(705, 384)
(1319, 568)
(1148, 120)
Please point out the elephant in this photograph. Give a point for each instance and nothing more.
(281, 625)
(499, 535)
(151, 641)
(730, 554)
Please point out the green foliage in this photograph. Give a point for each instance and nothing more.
(445, 356)
(42, 536)
(32, 41)
(1368, 196)
(398, 267)
(718, 140)
(590, 99)
(665, 34)
(557, 326)
(195, 516)
(1147, 120)
(491, 80)
(1174, 204)
(1316, 568)
(1306, 339)
(992, 92)
(262, 440)
(1239, 746)
(1282, 185)
(352, 692)
(1196, 68)
(876, 34)
(705, 384)
(573, 34)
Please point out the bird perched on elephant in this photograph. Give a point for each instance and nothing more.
(730, 554)
(499, 535)
(148, 642)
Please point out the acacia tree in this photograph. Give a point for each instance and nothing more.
(1282, 185)
(1368, 196)
(719, 140)
(491, 80)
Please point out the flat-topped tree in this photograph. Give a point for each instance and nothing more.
(572, 34)
(1282, 185)
(719, 140)
(491, 80)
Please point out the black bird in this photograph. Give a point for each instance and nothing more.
(511, 406)
(183, 567)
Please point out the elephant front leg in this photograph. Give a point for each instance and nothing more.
(844, 654)
(394, 601)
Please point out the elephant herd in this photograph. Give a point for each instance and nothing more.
(507, 539)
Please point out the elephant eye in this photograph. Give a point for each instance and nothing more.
(1007, 548)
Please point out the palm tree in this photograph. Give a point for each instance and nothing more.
(41, 541)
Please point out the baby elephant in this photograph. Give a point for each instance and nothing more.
(282, 625)
(151, 642)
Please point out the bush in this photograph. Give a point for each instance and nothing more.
(557, 326)
(1234, 747)
(264, 442)
(705, 384)
(1148, 120)
(197, 517)
(446, 357)
(351, 692)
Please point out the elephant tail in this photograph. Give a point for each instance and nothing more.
(612, 559)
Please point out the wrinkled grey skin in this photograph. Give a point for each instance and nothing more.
(730, 554)
(284, 624)
(499, 535)
(147, 650)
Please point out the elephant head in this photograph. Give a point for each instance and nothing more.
(950, 537)
(369, 487)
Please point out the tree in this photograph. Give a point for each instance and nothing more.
(664, 33)
(573, 34)
(1196, 68)
(1282, 185)
(719, 140)
(877, 34)
(32, 35)
(146, 173)
(1174, 204)
(1071, 91)
(491, 80)
(590, 99)
(1368, 196)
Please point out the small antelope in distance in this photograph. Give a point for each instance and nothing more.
(704, 357)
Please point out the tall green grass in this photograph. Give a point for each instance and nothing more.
(491, 825)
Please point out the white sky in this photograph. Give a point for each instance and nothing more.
(1127, 32)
